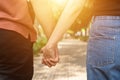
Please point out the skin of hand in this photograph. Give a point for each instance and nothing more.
(50, 55)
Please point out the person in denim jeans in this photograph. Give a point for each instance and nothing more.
(103, 54)
(103, 49)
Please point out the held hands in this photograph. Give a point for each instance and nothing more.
(50, 55)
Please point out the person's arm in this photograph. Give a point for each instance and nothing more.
(68, 16)
(44, 15)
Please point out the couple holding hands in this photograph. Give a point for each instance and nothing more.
(16, 25)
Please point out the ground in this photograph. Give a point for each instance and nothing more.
(72, 64)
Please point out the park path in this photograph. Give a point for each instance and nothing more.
(71, 66)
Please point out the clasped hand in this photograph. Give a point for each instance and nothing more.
(50, 55)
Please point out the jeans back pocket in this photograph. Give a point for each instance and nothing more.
(101, 45)
(101, 51)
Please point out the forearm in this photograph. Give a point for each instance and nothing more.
(44, 15)
(67, 18)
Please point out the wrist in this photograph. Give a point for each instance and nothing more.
(51, 45)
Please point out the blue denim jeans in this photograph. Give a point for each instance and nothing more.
(103, 53)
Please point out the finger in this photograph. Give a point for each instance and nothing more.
(56, 60)
(46, 62)
(51, 63)
(43, 62)
(56, 57)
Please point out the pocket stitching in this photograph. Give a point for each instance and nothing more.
(107, 61)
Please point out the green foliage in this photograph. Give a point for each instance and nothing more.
(84, 38)
(40, 42)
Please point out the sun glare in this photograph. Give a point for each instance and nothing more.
(60, 2)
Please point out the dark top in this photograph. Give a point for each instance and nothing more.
(107, 7)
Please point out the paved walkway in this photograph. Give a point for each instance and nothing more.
(71, 65)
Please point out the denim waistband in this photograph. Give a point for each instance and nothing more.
(107, 17)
